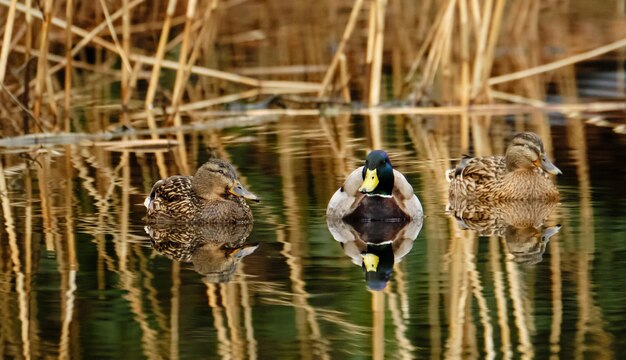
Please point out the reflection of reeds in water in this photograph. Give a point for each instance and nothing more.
(475, 324)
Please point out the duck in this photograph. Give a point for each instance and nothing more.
(375, 246)
(521, 174)
(375, 192)
(213, 195)
(522, 224)
(213, 249)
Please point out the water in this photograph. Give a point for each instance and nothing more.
(80, 278)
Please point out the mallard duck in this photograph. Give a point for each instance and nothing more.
(522, 174)
(214, 249)
(521, 223)
(375, 191)
(375, 246)
(212, 195)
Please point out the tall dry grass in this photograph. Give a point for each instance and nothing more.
(153, 58)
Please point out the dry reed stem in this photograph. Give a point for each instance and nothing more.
(6, 40)
(440, 42)
(204, 71)
(478, 109)
(132, 83)
(126, 144)
(154, 80)
(42, 63)
(377, 61)
(465, 73)
(126, 34)
(371, 32)
(54, 110)
(69, 13)
(191, 106)
(344, 78)
(156, 69)
(184, 50)
(280, 70)
(181, 79)
(559, 63)
(516, 98)
(347, 33)
(483, 36)
(491, 46)
(120, 50)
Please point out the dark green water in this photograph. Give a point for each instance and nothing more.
(80, 279)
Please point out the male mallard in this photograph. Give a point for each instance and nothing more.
(375, 246)
(519, 175)
(375, 191)
(212, 195)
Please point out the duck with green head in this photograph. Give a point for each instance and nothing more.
(213, 195)
(521, 174)
(375, 191)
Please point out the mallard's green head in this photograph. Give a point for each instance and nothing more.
(216, 178)
(378, 176)
(526, 152)
(377, 264)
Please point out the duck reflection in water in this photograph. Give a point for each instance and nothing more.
(521, 223)
(215, 250)
(375, 246)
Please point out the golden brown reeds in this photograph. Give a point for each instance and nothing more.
(445, 54)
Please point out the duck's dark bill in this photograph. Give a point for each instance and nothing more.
(548, 166)
(239, 190)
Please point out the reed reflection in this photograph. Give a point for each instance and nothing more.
(521, 223)
(214, 250)
(376, 246)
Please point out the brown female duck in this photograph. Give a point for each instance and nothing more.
(522, 174)
(212, 195)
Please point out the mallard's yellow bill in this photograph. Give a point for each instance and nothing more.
(370, 261)
(239, 190)
(370, 182)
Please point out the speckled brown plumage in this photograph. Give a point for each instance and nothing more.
(521, 223)
(520, 175)
(214, 249)
(212, 195)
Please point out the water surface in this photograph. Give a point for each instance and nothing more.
(80, 277)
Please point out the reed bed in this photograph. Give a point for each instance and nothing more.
(149, 55)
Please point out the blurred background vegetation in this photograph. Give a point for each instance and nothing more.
(153, 64)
